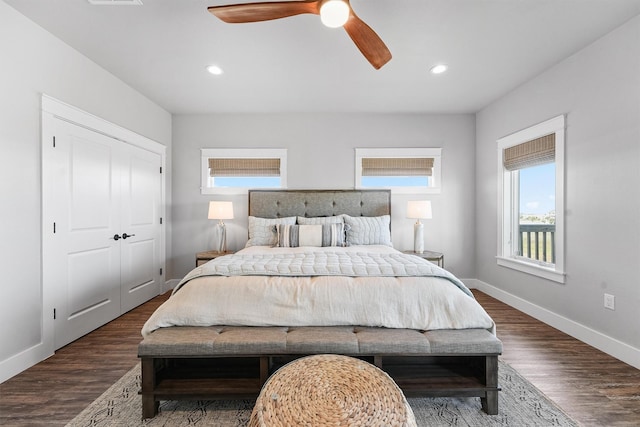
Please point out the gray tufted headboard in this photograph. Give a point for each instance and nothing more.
(310, 203)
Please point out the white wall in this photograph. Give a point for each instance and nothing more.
(321, 156)
(35, 62)
(598, 89)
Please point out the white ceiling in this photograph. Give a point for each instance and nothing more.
(297, 65)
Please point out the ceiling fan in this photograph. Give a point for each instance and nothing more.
(369, 43)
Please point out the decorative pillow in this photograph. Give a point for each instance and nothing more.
(292, 236)
(368, 230)
(261, 230)
(303, 220)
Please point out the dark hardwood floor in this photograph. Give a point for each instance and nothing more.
(592, 387)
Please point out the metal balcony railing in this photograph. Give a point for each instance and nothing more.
(537, 241)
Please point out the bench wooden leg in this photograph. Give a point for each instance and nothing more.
(149, 403)
(490, 401)
(149, 407)
(264, 369)
(377, 361)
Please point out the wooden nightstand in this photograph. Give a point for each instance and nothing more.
(202, 257)
(435, 257)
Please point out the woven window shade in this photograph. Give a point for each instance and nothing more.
(244, 167)
(531, 153)
(414, 166)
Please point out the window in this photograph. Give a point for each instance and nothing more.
(531, 199)
(404, 170)
(234, 170)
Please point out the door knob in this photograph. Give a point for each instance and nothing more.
(116, 237)
(125, 235)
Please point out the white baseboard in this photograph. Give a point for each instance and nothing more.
(169, 285)
(602, 342)
(21, 361)
(25, 359)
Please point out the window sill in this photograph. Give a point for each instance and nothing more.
(533, 269)
(404, 190)
(233, 190)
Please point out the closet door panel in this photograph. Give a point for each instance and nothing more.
(141, 200)
(87, 274)
(91, 183)
(90, 294)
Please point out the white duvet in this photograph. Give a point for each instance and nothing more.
(422, 303)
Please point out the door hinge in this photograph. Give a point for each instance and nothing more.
(54, 228)
(161, 272)
(160, 220)
(160, 169)
(54, 142)
(54, 314)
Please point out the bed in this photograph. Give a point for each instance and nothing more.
(318, 275)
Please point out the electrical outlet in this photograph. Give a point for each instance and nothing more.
(609, 301)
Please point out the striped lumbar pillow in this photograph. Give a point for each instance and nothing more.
(291, 236)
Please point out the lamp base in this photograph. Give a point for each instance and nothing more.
(220, 238)
(418, 237)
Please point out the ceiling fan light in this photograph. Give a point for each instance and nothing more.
(334, 13)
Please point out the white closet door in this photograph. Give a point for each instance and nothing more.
(104, 257)
(86, 257)
(141, 204)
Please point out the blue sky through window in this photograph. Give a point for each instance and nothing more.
(538, 189)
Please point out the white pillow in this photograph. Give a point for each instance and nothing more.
(368, 230)
(303, 220)
(262, 230)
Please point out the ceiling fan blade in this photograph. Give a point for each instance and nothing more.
(264, 11)
(369, 43)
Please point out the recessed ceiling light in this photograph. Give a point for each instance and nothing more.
(214, 69)
(438, 69)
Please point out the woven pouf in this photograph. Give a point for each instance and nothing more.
(331, 390)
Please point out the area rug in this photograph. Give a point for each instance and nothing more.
(520, 404)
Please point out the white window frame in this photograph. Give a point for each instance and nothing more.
(508, 192)
(435, 153)
(239, 153)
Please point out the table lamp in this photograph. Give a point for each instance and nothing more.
(418, 209)
(221, 210)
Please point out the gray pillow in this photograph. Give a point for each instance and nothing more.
(368, 230)
(262, 230)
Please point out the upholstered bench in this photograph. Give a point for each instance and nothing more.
(234, 362)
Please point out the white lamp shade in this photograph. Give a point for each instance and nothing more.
(220, 210)
(419, 209)
(334, 13)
